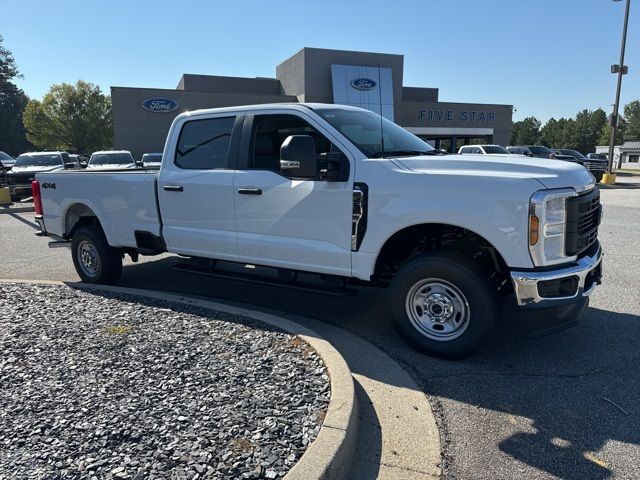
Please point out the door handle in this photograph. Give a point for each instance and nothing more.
(250, 191)
(173, 188)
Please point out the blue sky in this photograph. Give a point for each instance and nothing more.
(546, 57)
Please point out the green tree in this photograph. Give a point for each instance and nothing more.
(587, 127)
(605, 134)
(632, 121)
(556, 133)
(70, 117)
(13, 101)
(525, 132)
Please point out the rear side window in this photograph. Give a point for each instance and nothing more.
(204, 144)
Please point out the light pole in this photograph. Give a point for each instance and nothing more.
(621, 69)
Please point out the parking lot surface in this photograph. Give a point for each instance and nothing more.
(563, 405)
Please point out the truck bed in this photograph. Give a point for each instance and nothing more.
(124, 201)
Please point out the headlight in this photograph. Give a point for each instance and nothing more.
(547, 225)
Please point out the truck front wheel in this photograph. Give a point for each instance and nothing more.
(94, 259)
(443, 304)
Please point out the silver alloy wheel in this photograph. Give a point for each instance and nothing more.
(438, 309)
(88, 258)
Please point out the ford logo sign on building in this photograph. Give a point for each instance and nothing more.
(160, 105)
(363, 84)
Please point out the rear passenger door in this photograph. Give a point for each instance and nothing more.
(285, 221)
(195, 188)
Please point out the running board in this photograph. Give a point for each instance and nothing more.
(244, 277)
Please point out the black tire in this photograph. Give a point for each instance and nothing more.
(108, 260)
(467, 285)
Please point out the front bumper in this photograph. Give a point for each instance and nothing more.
(561, 286)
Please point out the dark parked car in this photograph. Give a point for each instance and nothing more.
(24, 171)
(538, 151)
(6, 161)
(597, 167)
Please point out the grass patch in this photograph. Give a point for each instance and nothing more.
(117, 330)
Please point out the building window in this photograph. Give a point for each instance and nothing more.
(634, 158)
(204, 144)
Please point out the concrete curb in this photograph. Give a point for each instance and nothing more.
(330, 456)
(16, 210)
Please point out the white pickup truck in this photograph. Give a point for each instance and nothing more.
(313, 188)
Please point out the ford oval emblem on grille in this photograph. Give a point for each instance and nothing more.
(363, 84)
(160, 105)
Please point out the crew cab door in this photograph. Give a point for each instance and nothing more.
(284, 221)
(195, 186)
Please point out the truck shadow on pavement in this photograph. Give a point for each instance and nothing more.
(565, 403)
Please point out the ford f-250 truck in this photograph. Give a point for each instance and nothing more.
(340, 192)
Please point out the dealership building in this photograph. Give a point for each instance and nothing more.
(142, 116)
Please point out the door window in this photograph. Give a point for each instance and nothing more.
(270, 132)
(204, 144)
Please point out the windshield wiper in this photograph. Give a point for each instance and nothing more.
(402, 153)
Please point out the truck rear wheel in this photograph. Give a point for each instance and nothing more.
(443, 304)
(94, 259)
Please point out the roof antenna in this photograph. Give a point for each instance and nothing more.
(381, 123)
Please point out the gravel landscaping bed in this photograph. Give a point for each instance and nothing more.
(108, 386)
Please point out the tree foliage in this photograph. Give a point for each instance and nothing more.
(588, 129)
(76, 118)
(632, 121)
(13, 101)
(526, 132)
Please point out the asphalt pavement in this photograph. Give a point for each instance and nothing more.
(563, 405)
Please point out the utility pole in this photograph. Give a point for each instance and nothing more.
(621, 69)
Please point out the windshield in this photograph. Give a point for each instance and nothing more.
(152, 157)
(4, 156)
(111, 159)
(362, 128)
(573, 153)
(540, 151)
(495, 149)
(38, 161)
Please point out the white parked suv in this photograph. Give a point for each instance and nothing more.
(484, 150)
(111, 159)
(316, 188)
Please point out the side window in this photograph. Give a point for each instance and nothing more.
(465, 150)
(204, 144)
(269, 132)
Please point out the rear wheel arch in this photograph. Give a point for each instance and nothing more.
(79, 215)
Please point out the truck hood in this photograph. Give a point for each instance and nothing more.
(34, 169)
(551, 173)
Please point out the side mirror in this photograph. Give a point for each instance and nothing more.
(298, 156)
(139, 163)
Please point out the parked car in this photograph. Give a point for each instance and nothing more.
(27, 165)
(152, 160)
(598, 156)
(597, 167)
(484, 150)
(311, 188)
(6, 161)
(111, 159)
(80, 159)
(537, 151)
